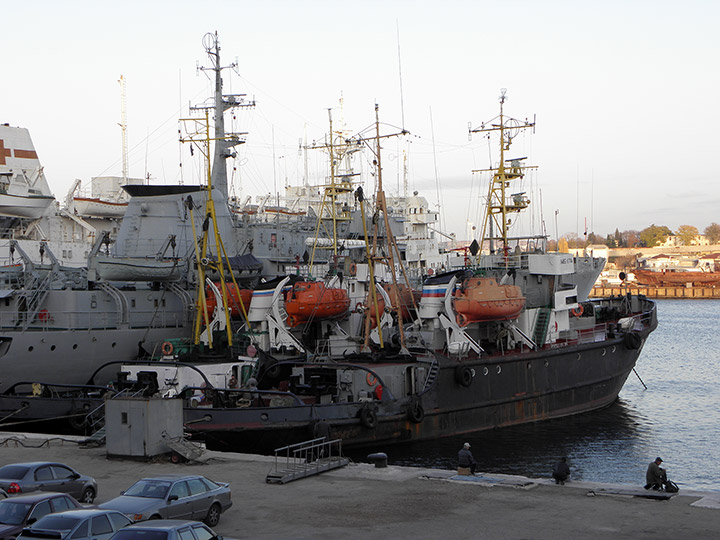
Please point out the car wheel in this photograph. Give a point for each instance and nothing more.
(213, 515)
(154, 516)
(88, 495)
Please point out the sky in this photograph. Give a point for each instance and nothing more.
(624, 96)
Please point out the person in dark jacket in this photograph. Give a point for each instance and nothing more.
(561, 471)
(466, 459)
(655, 477)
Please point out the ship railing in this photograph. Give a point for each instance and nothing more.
(46, 319)
(305, 459)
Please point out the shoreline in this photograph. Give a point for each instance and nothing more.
(360, 500)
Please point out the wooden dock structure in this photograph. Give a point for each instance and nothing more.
(657, 292)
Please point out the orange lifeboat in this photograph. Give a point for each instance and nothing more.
(233, 299)
(482, 299)
(406, 296)
(313, 300)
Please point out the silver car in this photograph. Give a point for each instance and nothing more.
(174, 497)
(83, 524)
(47, 476)
(167, 529)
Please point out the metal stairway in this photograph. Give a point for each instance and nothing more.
(432, 375)
(541, 326)
(40, 290)
(306, 459)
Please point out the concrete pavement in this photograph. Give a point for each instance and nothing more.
(360, 501)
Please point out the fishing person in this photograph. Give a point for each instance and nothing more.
(655, 477)
(466, 459)
(561, 471)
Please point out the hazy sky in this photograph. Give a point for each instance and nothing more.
(625, 95)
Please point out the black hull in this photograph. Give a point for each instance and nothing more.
(505, 391)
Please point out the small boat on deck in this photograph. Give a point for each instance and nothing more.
(314, 300)
(483, 299)
(238, 299)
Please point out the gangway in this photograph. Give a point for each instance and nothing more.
(306, 459)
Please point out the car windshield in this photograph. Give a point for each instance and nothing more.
(149, 489)
(13, 472)
(135, 534)
(12, 513)
(55, 522)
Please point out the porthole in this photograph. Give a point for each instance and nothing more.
(613, 349)
(499, 369)
(74, 345)
(579, 356)
(547, 363)
(113, 344)
(30, 348)
(485, 371)
(604, 352)
(529, 365)
(264, 417)
(52, 347)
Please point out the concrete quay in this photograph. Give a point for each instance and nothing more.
(363, 502)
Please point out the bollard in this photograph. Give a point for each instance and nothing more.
(379, 459)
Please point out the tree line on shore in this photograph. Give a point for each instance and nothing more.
(651, 236)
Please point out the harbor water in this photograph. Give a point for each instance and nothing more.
(676, 418)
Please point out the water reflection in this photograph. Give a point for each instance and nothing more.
(587, 440)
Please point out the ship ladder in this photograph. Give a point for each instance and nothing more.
(306, 459)
(541, 326)
(432, 375)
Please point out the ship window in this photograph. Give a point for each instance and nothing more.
(30, 348)
(52, 347)
(132, 302)
(113, 344)
(163, 302)
(74, 345)
(123, 418)
(156, 302)
(571, 300)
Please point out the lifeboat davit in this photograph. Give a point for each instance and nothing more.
(408, 298)
(482, 299)
(313, 300)
(234, 298)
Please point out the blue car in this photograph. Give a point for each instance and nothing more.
(168, 529)
(83, 524)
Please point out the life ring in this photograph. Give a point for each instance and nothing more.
(464, 376)
(415, 411)
(370, 378)
(167, 348)
(353, 269)
(368, 417)
(578, 311)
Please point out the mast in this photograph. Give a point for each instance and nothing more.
(123, 128)
(501, 205)
(224, 142)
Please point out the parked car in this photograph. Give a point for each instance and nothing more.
(17, 512)
(174, 497)
(167, 529)
(47, 476)
(85, 524)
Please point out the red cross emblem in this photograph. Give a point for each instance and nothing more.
(4, 152)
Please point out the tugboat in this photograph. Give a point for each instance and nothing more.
(537, 350)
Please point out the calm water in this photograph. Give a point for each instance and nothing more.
(676, 418)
